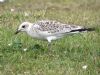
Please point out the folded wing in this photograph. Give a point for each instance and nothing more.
(47, 27)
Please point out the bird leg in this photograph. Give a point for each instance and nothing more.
(49, 43)
(49, 46)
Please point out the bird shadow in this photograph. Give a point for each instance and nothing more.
(37, 47)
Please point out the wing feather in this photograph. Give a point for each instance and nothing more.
(48, 27)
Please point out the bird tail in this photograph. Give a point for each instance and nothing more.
(83, 29)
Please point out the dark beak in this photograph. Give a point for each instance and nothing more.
(17, 31)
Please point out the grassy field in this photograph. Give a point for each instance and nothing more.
(73, 55)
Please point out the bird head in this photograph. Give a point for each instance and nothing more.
(24, 27)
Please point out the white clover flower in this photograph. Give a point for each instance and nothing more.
(65, 52)
(84, 67)
(12, 10)
(9, 44)
(25, 49)
(26, 14)
(27, 72)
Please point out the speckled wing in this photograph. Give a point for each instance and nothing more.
(53, 27)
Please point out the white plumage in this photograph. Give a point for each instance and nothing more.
(49, 30)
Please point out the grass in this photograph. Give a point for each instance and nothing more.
(68, 55)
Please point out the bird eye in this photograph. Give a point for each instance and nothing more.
(23, 26)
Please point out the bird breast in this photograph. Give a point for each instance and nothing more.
(35, 35)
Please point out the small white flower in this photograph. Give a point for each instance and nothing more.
(12, 10)
(65, 52)
(9, 44)
(25, 49)
(84, 67)
(2, 1)
(27, 72)
(26, 14)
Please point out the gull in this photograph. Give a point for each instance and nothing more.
(49, 30)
